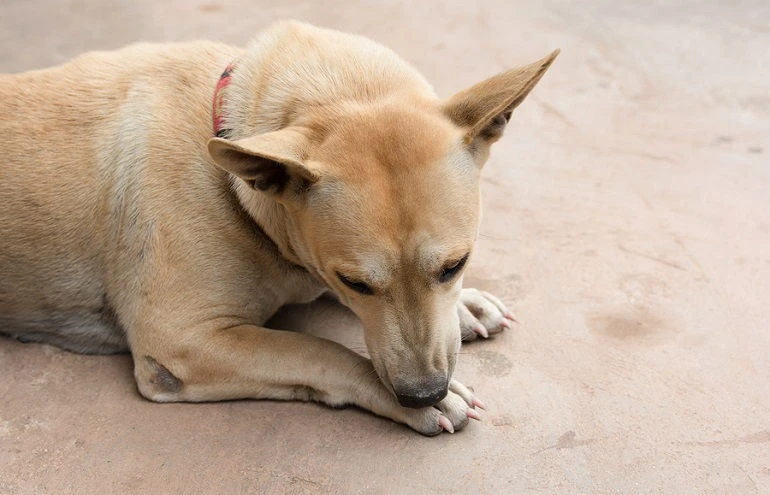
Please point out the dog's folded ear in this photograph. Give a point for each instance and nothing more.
(484, 109)
(270, 162)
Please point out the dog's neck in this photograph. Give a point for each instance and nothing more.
(269, 215)
(274, 221)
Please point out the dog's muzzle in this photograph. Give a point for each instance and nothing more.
(423, 393)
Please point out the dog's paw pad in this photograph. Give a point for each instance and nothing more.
(451, 414)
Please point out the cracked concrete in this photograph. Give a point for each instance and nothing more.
(627, 223)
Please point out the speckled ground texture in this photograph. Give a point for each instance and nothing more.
(627, 223)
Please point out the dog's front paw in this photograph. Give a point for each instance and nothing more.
(451, 414)
(482, 314)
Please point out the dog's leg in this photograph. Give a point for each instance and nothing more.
(482, 314)
(252, 362)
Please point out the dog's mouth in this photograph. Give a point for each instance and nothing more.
(414, 391)
(417, 375)
(383, 375)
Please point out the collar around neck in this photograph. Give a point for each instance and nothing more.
(218, 103)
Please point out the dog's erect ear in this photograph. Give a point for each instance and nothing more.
(485, 108)
(271, 162)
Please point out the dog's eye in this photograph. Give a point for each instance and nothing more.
(355, 285)
(452, 269)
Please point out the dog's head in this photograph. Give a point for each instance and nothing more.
(381, 201)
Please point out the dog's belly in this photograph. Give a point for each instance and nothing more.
(83, 330)
(58, 300)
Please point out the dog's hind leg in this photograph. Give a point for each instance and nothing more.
(253, 362)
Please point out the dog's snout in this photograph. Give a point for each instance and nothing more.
(423, 392)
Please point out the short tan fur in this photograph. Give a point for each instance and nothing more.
(127, 226)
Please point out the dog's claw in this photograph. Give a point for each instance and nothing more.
(510, 316)
(473, 414)
(444, 423)
(481, 331)
(505, 324)
(475, 402)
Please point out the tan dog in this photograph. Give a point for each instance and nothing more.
(126, 225)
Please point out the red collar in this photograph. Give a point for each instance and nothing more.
(216, 107)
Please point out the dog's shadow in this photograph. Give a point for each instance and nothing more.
(324, 317)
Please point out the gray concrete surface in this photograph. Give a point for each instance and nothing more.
(627, 222)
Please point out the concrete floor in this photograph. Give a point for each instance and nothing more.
(627, 223)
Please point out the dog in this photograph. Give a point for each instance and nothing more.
(156, 205)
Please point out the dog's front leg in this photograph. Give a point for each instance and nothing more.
(481, 314)
(252, 362)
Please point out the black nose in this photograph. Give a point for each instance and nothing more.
(423, 392)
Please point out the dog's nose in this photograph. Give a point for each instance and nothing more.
(423, 392)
